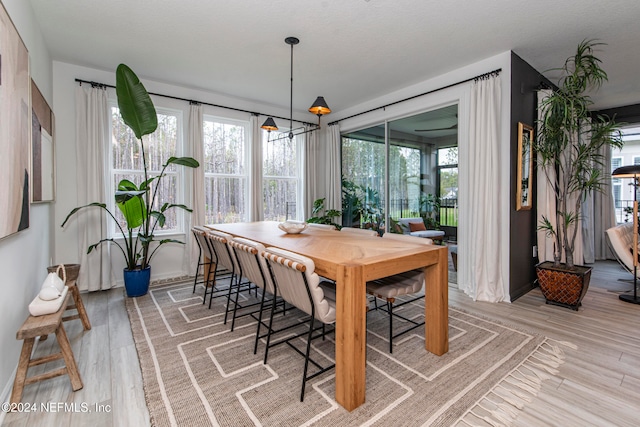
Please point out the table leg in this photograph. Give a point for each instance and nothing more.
(351, 336)
(436, 300)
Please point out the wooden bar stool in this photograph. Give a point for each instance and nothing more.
(36, 326)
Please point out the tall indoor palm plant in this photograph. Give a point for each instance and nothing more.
(136, 202)
(570, 145)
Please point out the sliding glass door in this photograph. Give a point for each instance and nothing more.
(363, 178)
(391, 171)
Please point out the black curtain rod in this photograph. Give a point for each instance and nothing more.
(480, 77)
(191, 101)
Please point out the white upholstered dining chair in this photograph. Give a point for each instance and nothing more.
(225, 260)
(322, 226)
(408, 284)
(359, 231)
(620, 240)
(297, 283)
(253, 266)
(205, 258)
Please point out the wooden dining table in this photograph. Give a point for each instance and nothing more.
(351, 260)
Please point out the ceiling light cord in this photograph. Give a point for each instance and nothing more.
(291, 41)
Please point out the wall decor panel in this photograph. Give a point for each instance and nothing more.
(42, 149)
(15, 129)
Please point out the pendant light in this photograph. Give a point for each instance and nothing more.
(319, 107)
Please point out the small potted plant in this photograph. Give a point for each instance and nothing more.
(136, 202)
(430, 210)
(322, 215)
(570, 145)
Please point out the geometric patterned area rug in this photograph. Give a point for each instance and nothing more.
(196, 372)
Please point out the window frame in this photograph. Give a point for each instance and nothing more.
(178, 173)
(300, 170)
(248, 166)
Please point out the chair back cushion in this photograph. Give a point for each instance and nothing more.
(407, 238)
(407, 283)
(621, 241)
(323, 226)
(224, 254)
(200, 234)
(417, 226)
(404, 224)
(252, 264)
(360, 231)
(288, 269)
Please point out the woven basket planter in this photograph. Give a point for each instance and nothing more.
(561, 286)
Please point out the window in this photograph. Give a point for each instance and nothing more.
(448, 185)
(226, 180)
(616, 162)
(363, 179)
(282, 177)
(126, 162)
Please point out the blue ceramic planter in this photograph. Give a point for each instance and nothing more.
(136, 282)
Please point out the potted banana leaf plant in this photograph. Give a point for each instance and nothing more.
(570, 145)
(137, 201)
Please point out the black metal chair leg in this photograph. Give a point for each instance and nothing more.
(390, 308)
(255, 345)
(273, 309)
(195, 281)
(235, 303)
(226, 311)
(206, 291)
(306, 358)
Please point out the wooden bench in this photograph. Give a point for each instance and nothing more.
(36, 326)
(70, 276)
(77, 305)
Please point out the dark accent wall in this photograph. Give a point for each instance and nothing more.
(628, 114)
(525, 81)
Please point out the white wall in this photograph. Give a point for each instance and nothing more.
(24, 256)
(168, 261)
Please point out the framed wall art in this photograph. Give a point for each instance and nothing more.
(525, 167)
(42, 149)
(15, 129)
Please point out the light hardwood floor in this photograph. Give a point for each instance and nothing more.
(598, 385)
(108, 364)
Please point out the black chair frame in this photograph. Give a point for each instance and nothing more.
(308, 334)
(201, 263)
(232, 288)
(262, 302)
(388, 308)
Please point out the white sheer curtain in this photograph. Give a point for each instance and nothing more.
(598, 216)
(587, 220)
(334, 169)
(312, 153)
(195, 144)
(546, 199)
(92, 133)
(257, 211)
(604, 213)
(484, 268)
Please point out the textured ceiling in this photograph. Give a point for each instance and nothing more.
(349, 52)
